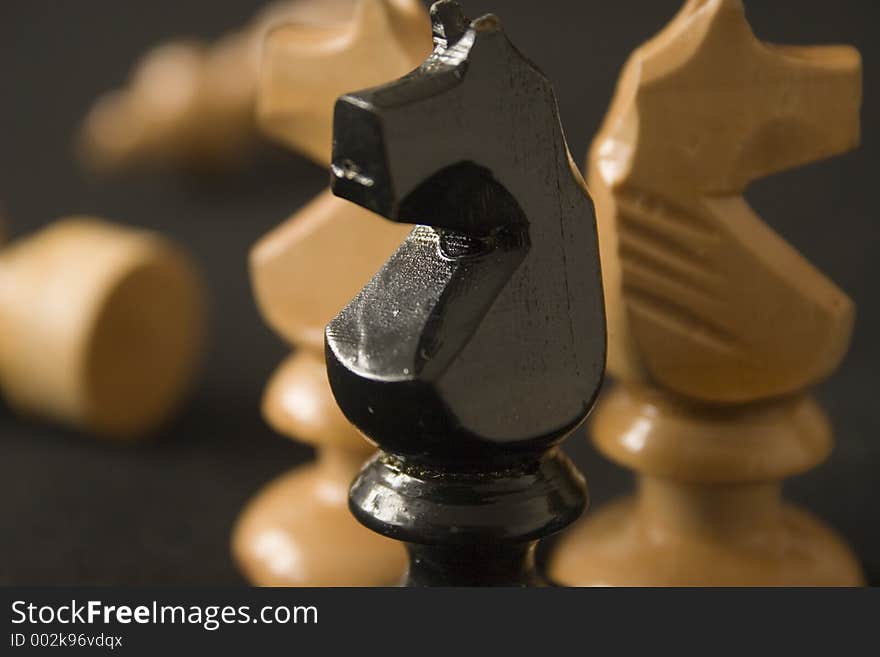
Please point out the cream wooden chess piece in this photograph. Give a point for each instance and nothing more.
(189, 103)
(298, 531)
(717, 327)
(101, 326)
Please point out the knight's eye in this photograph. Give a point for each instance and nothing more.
(459, 245)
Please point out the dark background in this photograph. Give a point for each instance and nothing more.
(78, 511)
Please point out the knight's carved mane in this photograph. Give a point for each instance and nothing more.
(704, 299)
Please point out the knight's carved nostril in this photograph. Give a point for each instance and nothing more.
(450, 23)
(349, 170)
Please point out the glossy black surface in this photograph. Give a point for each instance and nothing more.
(469, 528)
(484, 334)
(481, 343)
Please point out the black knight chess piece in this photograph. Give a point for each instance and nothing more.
(480, 345)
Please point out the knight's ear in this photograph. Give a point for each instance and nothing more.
(701, 28)
(685, 13)
(490, 41)
(691, 7)
(716, 11)
(487, 25)
(720, 18)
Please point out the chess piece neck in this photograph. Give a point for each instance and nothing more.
(298, 403)
(669, 438)
(477, 565)
(341, 463)
(724, 511)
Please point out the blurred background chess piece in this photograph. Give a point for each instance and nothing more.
(190, 104)
(717, 326)
(298, 531)
(100, 327)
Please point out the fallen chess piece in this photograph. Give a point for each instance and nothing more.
(298, 531)
(480, 345)
(190, 104)
(101, 327)
(717, 327)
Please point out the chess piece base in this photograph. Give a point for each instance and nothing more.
(709, 510)
(299, 532)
